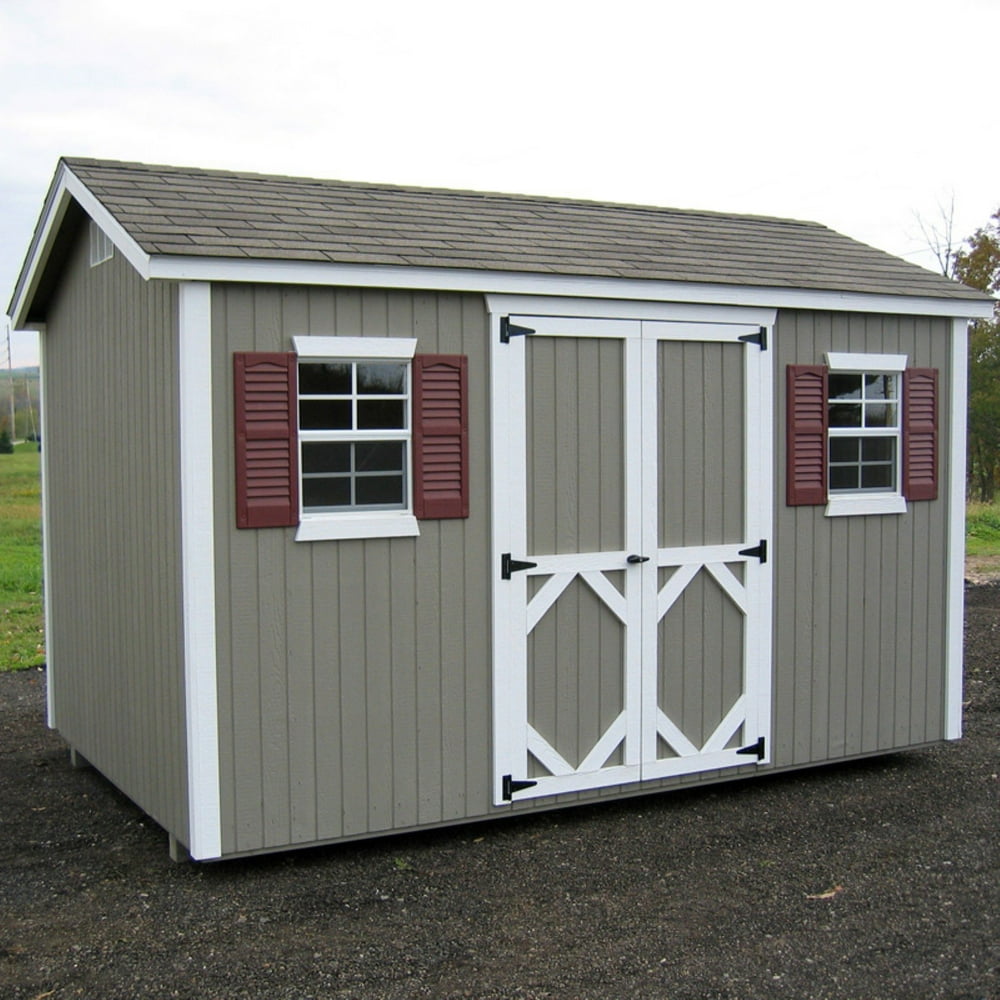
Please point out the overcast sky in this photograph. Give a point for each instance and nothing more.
(861, 115)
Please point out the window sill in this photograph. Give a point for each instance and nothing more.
(865, 503)
(391, 524)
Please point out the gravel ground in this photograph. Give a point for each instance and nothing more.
(876, 879)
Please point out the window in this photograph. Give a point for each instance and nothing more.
(863, 420)
(863, 415)
(101, 247)
(862, 434)
(354, 435)
(350, 437)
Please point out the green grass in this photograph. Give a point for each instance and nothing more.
(22, 638)
(982, 529)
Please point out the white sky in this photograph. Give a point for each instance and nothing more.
(860, 115)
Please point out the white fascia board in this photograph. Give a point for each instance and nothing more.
(955, 485)
(198, 572)
(520, 283)
(66, 187)
(124, 243)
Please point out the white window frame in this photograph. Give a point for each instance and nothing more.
(876, 502)
(318, 526)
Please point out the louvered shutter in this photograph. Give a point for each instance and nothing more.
(267, 475)
(806, 434)
(920, 433)
(440, 436)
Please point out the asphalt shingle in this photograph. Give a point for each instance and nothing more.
(192, 212)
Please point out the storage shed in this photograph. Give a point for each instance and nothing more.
(374, 509)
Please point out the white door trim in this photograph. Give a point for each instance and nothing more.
(515, 616)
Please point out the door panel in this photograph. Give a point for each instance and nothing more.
(701, 462)
(575, 440)
(619, 439)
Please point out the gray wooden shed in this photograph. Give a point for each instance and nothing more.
(375, 509)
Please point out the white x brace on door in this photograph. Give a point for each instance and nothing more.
(632, 480)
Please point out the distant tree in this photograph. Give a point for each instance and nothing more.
(6, 444)
(978, 265)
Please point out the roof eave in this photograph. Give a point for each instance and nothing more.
(181, 268)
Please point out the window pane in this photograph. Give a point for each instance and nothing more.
(381, 414)
(326, 456)
(880, 415)
(378, 456)
(844, 386)
(844, 449)
(880, 386)
(843, 477)
(878, 450)
(876, 477)
(381, 380)
(379, 490)
(325, 378)
(324, 414)
(325, 492)
(845, 414)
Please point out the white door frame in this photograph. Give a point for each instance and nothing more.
(641, 326)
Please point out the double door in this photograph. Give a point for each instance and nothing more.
(631, 505)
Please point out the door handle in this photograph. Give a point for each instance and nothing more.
(637, 559)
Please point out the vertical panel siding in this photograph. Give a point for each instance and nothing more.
(859, 601)
(112, 493)
(354, 675)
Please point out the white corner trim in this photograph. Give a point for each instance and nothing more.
(354, 347)
(51, 702)
(955, 611)
(850, 504)
(866, 362)
(198, 571)
(376, 524)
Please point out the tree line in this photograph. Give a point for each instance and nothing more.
(977, 264)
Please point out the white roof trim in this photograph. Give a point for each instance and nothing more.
(521, 283)
(130, 250)
(66, 186)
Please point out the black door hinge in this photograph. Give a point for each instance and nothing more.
(759, 338)
(508, 330)
(754, 750)
(510, 786)
(508, 566)
(758, 551)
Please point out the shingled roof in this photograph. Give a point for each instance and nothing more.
(175, 211)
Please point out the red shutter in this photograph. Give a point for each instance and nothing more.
(440, 436)
(920, 433)
(806, 435)
(267, 474)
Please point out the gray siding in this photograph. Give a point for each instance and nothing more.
(353, 675)
(859, 601)
(111, 493)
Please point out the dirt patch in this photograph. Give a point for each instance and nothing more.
(876, 879)
(982, 569)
